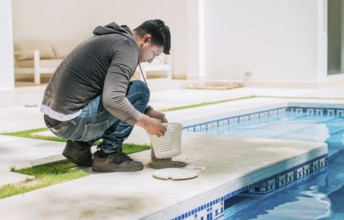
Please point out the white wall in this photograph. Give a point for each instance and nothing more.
(193, 62)
(53, 21)
(74, 20)
(274, 40)
(134, 12)
(6, 42)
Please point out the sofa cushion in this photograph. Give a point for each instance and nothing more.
(24, 63)
(50, 63)
(24, 50)
(43, 63)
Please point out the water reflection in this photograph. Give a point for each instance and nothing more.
(318, 196)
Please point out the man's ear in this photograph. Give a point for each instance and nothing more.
(147, 38)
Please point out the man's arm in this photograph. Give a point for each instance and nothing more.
(114, 93)
(151, 125)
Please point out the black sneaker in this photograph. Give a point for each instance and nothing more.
(116, 162)
(79, 153)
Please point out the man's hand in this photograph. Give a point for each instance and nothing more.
(158, 115)
(152, 125)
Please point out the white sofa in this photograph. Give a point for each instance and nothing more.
(39, 58)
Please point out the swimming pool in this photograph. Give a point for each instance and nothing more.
(313, 197)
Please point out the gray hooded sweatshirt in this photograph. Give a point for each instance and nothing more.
(101, 65)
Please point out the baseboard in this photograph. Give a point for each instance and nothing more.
(305, 85)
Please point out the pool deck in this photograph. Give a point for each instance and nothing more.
(226, 160)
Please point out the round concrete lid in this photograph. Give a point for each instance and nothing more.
(175, 173)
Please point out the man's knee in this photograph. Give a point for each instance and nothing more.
(139, 86)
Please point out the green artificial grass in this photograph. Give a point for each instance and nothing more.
(45, 175)
(127, 148)
(30, 134)
(52, 173)
(205, 104)
(134, 148)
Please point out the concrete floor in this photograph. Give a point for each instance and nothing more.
(139, 195)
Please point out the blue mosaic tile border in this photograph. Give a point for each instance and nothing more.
(335, 112)
(257, 117)
(264, 116)
(215, 208)
(288, 176)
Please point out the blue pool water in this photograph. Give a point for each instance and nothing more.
(318, 196)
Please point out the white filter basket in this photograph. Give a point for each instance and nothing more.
(168, 145)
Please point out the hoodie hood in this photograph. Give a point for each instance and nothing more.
(113, 28)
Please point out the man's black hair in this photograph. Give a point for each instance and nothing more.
(161, 35)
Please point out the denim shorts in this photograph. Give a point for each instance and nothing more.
(96, 122)
(89, 125)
